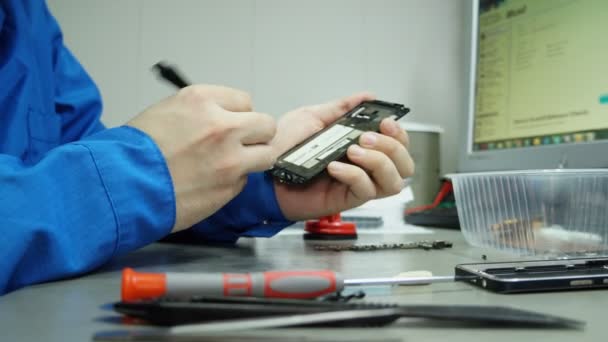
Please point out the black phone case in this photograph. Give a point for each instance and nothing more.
(309, 159)
(537, 275)
(213, 309)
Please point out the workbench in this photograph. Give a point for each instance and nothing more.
(73, 310)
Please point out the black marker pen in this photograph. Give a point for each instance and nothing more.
(170, 74)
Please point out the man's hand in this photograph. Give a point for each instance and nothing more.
(211, 140)
(380, 162)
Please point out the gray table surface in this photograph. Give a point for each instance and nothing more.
(70, 310)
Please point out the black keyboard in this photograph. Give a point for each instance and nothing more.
(440, 217)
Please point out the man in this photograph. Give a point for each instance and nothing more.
(74, 194)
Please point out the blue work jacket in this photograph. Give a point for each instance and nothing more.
(74, 194)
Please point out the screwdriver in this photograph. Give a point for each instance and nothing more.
(271, 284)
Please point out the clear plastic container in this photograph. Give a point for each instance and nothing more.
(537, 212)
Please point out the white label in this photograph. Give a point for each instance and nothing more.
(320, 143)
(333, 149)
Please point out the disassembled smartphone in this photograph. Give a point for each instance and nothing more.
(308, 159)
(537, 275)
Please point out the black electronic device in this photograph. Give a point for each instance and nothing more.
(438, 217)
(442, 213)
(213, 309)
(536, 275)
(310, 158)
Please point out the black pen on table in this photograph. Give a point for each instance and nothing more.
(170, 74)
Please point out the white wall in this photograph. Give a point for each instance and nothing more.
(286, 53)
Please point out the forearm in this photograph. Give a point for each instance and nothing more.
(80, 205)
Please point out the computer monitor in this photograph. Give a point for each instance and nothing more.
(538, 85)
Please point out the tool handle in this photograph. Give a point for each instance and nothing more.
(271, 284)
(301, 284)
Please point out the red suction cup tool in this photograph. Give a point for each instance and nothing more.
(330, 228)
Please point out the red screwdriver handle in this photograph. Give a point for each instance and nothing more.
(301, 284)
(274, 284)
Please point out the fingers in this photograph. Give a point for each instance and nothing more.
(391, 128)
(381, 163)
(356, 180)
(380, 167)
(255, 131)
(256, 158)
(395, 151)
(255, 128)
(331, 111)
(230, 99)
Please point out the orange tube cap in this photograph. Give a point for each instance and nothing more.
(136, 285)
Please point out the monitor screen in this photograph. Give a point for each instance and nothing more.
(539, 74)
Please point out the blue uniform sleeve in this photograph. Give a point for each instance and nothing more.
(83, 203)
(77, 98)
(254, 212)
